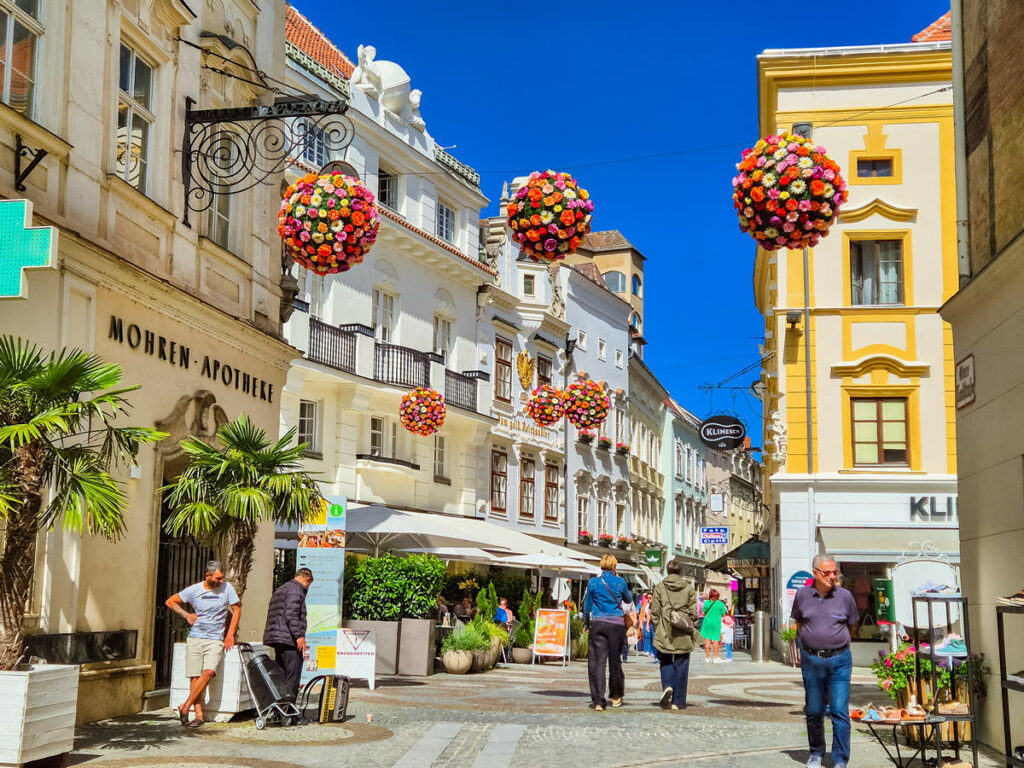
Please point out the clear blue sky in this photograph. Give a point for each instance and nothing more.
(519, 87)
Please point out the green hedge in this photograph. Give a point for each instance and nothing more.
(389, 588)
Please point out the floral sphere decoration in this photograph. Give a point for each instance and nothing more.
(422, 411)
(788, 192)
(549, 215)
(586, 403)
(328, 222)
(545, 405)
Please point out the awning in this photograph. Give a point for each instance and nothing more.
(545, 562)
(747, 559)
(651, 576)
(885, 544)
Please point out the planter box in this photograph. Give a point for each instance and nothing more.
(416, 647)
(585, 540)
(226, 695)
(37, 713)
(522, 655)
(387, 643)
(603, 543)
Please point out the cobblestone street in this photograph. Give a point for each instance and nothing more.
(739, 714)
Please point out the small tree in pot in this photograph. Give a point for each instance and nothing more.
(522, 651)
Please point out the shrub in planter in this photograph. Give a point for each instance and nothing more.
(527, 609)
(459, 647)
(388, 588)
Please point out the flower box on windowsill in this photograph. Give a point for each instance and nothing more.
(586, 437)
(585, 538)
(623, 543)
(605, 541)
(604, 443)
(622, 449)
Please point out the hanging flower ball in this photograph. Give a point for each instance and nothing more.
(422, 411)
(788, 192)
(586, 403)
(549, 215)
(545, 405)
(328, 222)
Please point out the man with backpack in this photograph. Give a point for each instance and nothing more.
(673, 612)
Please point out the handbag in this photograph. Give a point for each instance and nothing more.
(628, 611)
(681, 620)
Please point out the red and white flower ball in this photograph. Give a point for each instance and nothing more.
(788, 192)
(586, 403)
(550, 215)
(545, 405)
(328, 222)
(422, 411)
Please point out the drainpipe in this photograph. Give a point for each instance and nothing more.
(807, 361)
(960, 144)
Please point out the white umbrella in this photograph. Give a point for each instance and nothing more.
(377, 529)
(546, 562)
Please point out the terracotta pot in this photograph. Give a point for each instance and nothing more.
(522, 655)
(457, 662)
(480, 659)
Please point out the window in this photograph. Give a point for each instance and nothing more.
(377, 425)
(219, 224)
(499, 481)
(581, 340)
(602, 349)
(527, 472)
(443, 336)
(620, 519)
(383, 315)
(620, 425)
(602, 516)
(314, 147)
(636, 285)
(873, 168)
(309, 425)
(18, 37)
(503, 370)
(620, 358)
(440, 457)
(316, 296)
(445, 222)
(551, 492)
(387, 189)
(879, 431)
(582, 513)
(543, 370)
(876, 271)
(679, 459)
(135, 85)
(679, 525)
(529, 285)
(689, 465)
(616, 282)
(634, 322)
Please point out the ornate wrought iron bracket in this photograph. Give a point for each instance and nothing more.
(226, 151)
(23, 151)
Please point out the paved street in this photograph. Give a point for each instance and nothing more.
(741, 714)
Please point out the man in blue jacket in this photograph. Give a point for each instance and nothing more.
(603, 608)
(285, 631)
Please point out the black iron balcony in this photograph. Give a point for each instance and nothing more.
(332, 346)
(401, 366)
(459, 390)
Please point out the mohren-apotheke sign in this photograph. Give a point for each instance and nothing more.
(722, 432)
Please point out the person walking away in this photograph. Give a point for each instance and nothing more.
(728, 623)
(212, 599)
(673, 643)
(607, 601)
(826, 616)
(711, 627)
(648, 627)
(285, 630)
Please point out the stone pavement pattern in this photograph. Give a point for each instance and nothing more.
(741, 714)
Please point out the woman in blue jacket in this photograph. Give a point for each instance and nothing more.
(602, 606)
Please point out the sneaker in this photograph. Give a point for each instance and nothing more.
(1016, 677)
(666, 698)
(951, 645)
(616, 702)
(814, 761)
(676, 707)
(597, 708)
(1017, 599)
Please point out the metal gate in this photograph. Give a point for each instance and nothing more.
(180, 562)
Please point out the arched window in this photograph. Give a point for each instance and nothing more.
(634, 321)
(616, 282)
(636, 285)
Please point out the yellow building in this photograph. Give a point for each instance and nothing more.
(874, 477)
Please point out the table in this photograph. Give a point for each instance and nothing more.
(897, 759)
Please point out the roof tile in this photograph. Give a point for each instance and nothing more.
(940, 29)
(301, 33)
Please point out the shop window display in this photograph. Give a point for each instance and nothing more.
(860, 578)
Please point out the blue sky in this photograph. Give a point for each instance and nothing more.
(519, 87)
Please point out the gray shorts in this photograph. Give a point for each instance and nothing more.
(201, 654)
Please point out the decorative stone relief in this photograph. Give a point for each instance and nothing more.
(778, 437)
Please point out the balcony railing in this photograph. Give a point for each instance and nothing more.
(459, 390)
(400, 366)
(332, 346)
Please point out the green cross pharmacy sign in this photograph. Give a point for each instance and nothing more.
(22, 247)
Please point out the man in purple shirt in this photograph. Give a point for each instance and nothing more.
(826, 616)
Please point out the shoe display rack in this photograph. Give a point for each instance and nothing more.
(948, 720)
(1006, 685)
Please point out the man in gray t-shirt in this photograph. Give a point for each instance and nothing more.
(212, 601)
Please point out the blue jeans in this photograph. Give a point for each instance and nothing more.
(675, 673)
(827, 683)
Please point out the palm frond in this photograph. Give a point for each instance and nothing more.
(85, 497)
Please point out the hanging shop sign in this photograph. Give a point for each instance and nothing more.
(652, 558)
(714, 535)
(722, 432)
(22, 247)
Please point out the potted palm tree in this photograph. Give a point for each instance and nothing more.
(57, 441)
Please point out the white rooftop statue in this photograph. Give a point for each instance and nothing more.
(387, 82)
